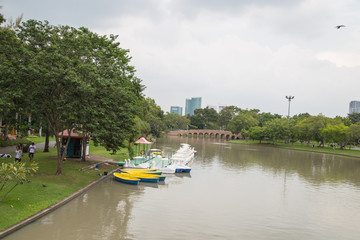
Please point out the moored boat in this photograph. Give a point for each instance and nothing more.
(126, 178)
(146, 177)
(161, 177)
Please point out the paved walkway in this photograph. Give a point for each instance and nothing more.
(11, 149)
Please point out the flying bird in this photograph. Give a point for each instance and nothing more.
(339, 26)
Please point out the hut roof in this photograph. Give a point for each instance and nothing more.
(143, 141)
(73, 134)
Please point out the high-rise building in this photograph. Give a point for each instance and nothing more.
(176, 109)
(191, 105)
(354, 107)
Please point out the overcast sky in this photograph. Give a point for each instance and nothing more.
(247, 53)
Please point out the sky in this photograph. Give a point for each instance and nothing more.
(246, 53)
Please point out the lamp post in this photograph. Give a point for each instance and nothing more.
(289, 98)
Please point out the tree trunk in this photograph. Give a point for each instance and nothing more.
(6, 132)
(40, 129)
(29, 125)
(60, 160)
(84, 144)
(47, 135)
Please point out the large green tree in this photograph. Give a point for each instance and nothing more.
(353, 133)
(310, 128)
(257, 133)
(80, 80)
(176, 121)
(205, 118)
(354, 117)
(242, 121)
(335, 133)
(226, 114)
(277, 129)
(13, 90)
(152, 114)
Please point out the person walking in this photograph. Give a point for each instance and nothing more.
(32, 150)
(18, 154)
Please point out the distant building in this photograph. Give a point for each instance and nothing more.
(191, 105)
(176, 109)
(354, 107)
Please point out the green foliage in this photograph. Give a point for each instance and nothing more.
(151, 113)
(354, 117)
(13, 90)
(257, 133)
(142, 127)
(263, 118)
(242, 121)
(277, 129)
(205, 118)
(226, 114)
(14, 142)
(353, 133)
(13, 174)
(310, 128)
(80, 80)
(176, 121)
(336, 133)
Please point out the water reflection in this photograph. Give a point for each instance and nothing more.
(100, 213)
(234, 191)
(313, 167)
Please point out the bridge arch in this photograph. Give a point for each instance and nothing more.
(220, 134)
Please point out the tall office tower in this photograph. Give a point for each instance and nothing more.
(191, 105)
(176, 109)
(354, 107)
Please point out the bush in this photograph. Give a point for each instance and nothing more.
(15, 142)
(13, 174)
(3, 143)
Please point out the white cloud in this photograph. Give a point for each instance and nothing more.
(341, 59)
(245, 53)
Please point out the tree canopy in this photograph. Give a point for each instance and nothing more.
(73, 77)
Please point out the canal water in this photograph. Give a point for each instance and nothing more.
(234, 191)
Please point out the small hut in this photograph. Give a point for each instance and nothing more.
(75, 147)
(145, 143)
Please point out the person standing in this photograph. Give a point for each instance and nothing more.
(18, 154)
(32, 150)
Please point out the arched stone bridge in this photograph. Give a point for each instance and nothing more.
(206, 133)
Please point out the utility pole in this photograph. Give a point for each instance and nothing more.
(289, 98)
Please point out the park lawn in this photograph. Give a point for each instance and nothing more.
(37, 139)
(304, 147)
(30, 198)
(101, 151)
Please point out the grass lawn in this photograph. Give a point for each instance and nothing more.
(305, 147)
(30, 198)
(36, 139)
(101, 151)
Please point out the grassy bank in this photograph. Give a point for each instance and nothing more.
(30, 198)
(304, 147)
(101, 151)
